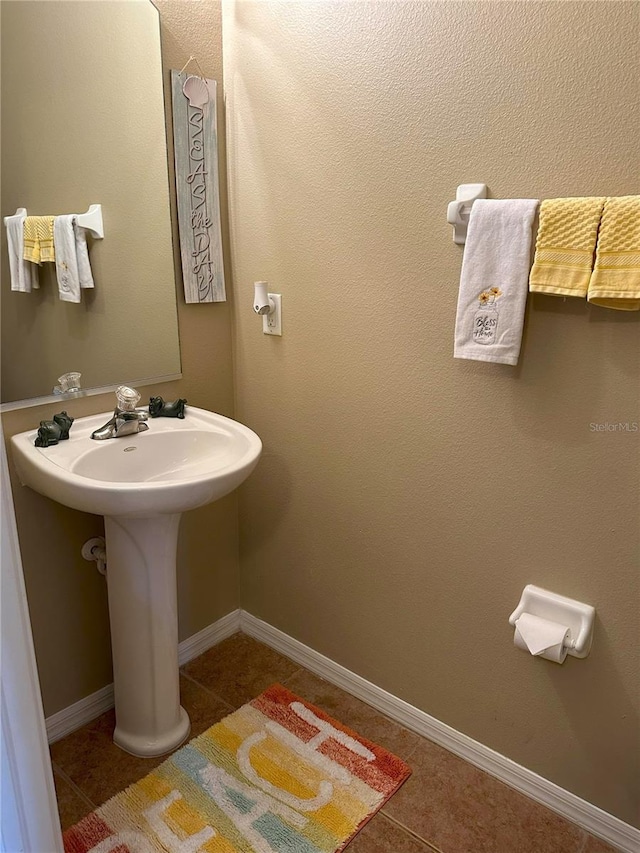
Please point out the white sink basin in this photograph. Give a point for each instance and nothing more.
(141, 484)
(174, 466)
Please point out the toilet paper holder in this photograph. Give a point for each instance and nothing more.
(576, 615)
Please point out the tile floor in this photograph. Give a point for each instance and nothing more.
(447, 805)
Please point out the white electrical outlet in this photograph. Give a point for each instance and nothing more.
(272, 323)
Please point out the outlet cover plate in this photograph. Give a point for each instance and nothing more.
(272, 323)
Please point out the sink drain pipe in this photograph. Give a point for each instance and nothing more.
(95, 550)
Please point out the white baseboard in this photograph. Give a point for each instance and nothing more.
(69, 719)
(87, 709)
(209, 637)
(591, 818)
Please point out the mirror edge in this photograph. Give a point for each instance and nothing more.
(30, 402)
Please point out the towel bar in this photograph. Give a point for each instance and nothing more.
(91, 220)
(459, 210)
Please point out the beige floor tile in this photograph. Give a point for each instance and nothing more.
(382, 836)
(353, 713)
(101, 769)
(72, 806)
(95, 764)
(594, 845)
(239, 669)
(461, 809)
(203, 707)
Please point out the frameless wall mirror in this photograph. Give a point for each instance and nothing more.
(83, 123)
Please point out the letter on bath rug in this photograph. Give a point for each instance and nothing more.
(308, 805)
(326, 730)
(309, 751)
(244, 805)
(171, 841)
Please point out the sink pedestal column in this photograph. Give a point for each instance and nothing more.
(143, 613)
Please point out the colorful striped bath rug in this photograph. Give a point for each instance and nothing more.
(276, 776)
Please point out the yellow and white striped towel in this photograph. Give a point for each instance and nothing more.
(565, 245)
(615, 280)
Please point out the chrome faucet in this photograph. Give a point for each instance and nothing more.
(126, 419)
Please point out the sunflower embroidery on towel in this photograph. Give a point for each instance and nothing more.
(485, 320)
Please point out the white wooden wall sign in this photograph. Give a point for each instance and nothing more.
(195, 140)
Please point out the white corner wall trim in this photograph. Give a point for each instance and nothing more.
(87, 709)
(573, 808)
(591, 818)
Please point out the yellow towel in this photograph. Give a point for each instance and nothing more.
(38, 239)
(565, 246)
(615, 280)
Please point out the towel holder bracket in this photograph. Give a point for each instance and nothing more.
(92, 220)
(458, 211)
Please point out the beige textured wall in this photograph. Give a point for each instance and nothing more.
(404, 499)
(67, 597)
(82, 122)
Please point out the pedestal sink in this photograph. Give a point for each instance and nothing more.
(141, 484)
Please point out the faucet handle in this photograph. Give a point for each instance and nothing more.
(127, 398)
(69, 383)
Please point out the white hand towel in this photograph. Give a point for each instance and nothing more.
(82, 253)
(73, 270)
(24, 274)
(64, 243)
(494, 280)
